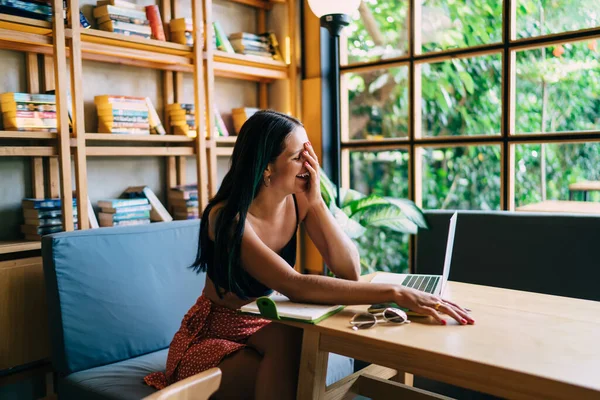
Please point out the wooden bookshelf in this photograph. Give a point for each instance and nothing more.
(25, 34)
(52, 155)
(19, 246)
(138, 151)
(254, 68)
(111, 137)
(26, 135)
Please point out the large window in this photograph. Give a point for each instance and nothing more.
(471, 104)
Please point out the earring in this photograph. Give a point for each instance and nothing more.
(267, 181)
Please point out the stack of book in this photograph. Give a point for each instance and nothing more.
(28, 112)
(129, 19)
(261, 45)
(240, 115)
(183, 202)
(43, 216)
(182, 120)
(127, 115)
(181, 31)
(119, 212)
(35, 9)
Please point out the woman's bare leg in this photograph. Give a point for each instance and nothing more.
(280, 347)
(238, 377)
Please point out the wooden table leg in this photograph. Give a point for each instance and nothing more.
(313, 368)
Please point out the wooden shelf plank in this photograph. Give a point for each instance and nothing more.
(28, 151)
(18, 246)
(28, 25)
(138, 138)
(241, 66)
(264, 4)
(108, 151)
(26, 135)
(25, 34)
(226, 140)
(133, 42)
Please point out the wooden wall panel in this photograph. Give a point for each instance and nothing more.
(24, 337)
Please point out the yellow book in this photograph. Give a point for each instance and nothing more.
(181, 25)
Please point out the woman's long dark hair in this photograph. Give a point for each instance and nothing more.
(260, 141)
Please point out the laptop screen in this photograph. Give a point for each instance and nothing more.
(449, 248)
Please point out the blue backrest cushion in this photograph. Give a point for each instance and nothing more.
(116, 293)
(547, 253)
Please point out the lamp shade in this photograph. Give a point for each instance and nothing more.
(327, 7)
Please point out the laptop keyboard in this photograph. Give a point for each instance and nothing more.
(424, 283)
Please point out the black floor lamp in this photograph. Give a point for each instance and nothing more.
(334, 15)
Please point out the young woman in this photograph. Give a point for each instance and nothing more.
(248, 249)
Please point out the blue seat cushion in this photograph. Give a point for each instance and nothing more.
(125, 380)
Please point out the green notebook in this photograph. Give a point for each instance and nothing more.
(279, 307)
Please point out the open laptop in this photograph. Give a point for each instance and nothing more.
(434, 284)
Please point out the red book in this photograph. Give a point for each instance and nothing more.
(153, 15)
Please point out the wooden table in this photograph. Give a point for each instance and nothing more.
(578, 207)
(585, 187)
(523, 346)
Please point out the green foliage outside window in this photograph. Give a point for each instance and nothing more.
(557, 90)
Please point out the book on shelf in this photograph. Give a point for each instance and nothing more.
(124, 218)
(120, 26)
(36, 214)
(183, 201)
(40, 204)
(153, 15)
(40, 230)
(126, 209)
(181, 31)
(260, 45)
(83, 22)
(221, 40)
(27, 9)
(155, 125)
(159, 212)
(240, 116)
(184, 192)
(121, 202)
(121, 14)
(28, 112)
(126, 115)
(278, 306)
(122, 4)
(183, 215)
(129, 222)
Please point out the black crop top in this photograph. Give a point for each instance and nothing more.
(252, 287)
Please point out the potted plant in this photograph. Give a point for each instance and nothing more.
(360, 212)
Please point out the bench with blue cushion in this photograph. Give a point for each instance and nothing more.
(116, 296)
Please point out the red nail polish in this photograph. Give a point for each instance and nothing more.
(443, 322)
(464, 321)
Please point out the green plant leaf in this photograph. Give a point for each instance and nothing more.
(350, 195)
(389, 217)
(360, 205)
(328, 192)
(351, 227)
(410, 209)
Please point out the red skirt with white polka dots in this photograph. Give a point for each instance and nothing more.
(208, 333)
